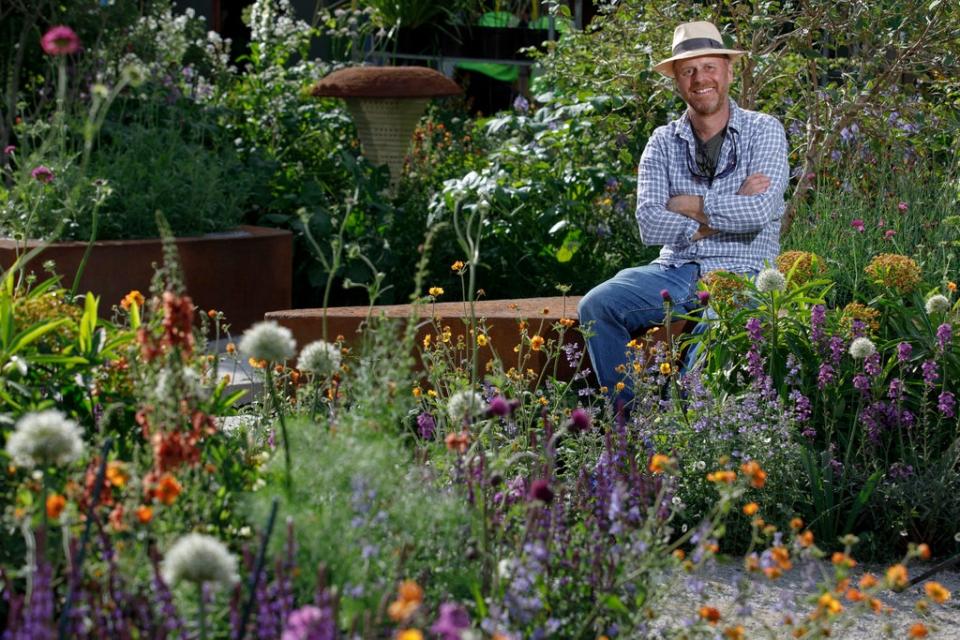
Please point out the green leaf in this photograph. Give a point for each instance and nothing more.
(615, 604)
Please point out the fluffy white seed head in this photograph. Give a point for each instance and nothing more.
(862, 348)
(937, 304)
(199, 558)
(45, 438)
(771, 280)
(268, 341)
(320, 358)
(464, 404)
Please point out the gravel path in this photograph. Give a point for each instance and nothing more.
(768, 597)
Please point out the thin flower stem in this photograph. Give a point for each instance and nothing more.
(288, 481)
(201, 612)
(257, 571)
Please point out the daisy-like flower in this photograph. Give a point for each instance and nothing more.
(465, 404)
(320, 358)
(268, 341)
(60, 41)
(45, 438)
(771, 280)
(862, 348)
(937, 304)
(199, 558)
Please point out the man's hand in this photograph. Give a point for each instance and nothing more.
(689, 206)
(754, 184)
(703, 232)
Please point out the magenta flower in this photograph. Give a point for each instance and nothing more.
(60, 41)
(665, 295)
(889, 234)
(10, 148)
(309, 622)
(579, 420)
(498, 407)
(857, 224)
(43, 174)
(540, 490)
(903, 206)
(703, 297)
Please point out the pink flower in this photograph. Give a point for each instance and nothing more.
(857, 224)
(889, 234)
(10, 148)
(60, 41)
(43, 174)
(903, 206)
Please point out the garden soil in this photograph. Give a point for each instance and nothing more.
(768, 597)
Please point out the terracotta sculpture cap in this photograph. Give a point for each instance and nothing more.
(386, 82)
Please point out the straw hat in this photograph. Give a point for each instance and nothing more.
(694, 39)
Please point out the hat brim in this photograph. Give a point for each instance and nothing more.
(666, 67)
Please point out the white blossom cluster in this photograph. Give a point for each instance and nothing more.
(464, 404)
(199, 559)
(274, 22)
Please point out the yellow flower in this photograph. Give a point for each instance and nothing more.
(543, 401)
(431, 393)
(536, 342)
(897, 576)
(410, 634)
(436, 292)
(619, 387)
(416, 392)
(937, 592)
(665, 368)
(117, 474)
(482, 340)
(895, 271)
(457, 266)
(829, 604)
(722, 476)
(445, 336)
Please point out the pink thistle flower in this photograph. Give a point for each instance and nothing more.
(857, 224)
(10, 148)
(43, 174)
(889, 233)
(902, 206)
(60, 41)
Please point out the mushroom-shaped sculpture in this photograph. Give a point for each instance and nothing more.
(386, 103)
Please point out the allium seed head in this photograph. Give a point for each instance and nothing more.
(937, 304)
(465, 404)
(771, 280)
(862, 348)
(268, 341)
(199, 558)
(320, 358)
(45, 438)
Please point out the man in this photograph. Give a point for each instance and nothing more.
(709, 190)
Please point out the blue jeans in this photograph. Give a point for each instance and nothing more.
(626, 303)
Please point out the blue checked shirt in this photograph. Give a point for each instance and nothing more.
(748, 226)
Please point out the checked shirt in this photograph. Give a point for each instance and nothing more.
(748, 226)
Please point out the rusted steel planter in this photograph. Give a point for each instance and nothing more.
(244, 273)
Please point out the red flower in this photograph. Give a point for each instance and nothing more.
(60, 41)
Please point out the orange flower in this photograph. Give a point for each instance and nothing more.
(796, 524)
(853, 595)
(458, 441)
(134, 297)
(805, 539)
(952, 287)
(168, 489)
(117, 474)
(710, 614)
(734, 633)
(829, 604)
(659, 463)
(56, 503)
(936, 592)
(918, 630)
(722, 476)
(457, 266)
(923, 551)
(781, 556)
(841, 559)
(758, 477)
(897, 576)
(751, 508)
(567, 322)
(409, 599)
(536, 342)
(868, 581)
(144, 514)
(231, 348)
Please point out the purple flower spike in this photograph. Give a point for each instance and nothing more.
(540, 490)
(426, 425)
(944, 335)
(453, 621)
(904, 351)
(947, 404)
(665, 295)
(309, 623)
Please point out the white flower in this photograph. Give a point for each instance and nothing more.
(268, 341)
(862, 348)
(937, 304)
(464, 404)
(770, 280)
(199, 558)
(45, 438)
(320, 358)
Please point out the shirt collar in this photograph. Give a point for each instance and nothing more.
(685, 129)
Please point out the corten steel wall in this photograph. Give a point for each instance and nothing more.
(243, 273)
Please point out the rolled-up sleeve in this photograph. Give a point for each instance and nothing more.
(658, 225)
(734, 213)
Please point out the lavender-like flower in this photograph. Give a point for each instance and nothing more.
(930, 375)
(426, 426)
(904, 351)
(895, 390)
(309, 623)
(944, 336)
(947, 403)
(825, 376)
(452, 622)
(818, 316)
